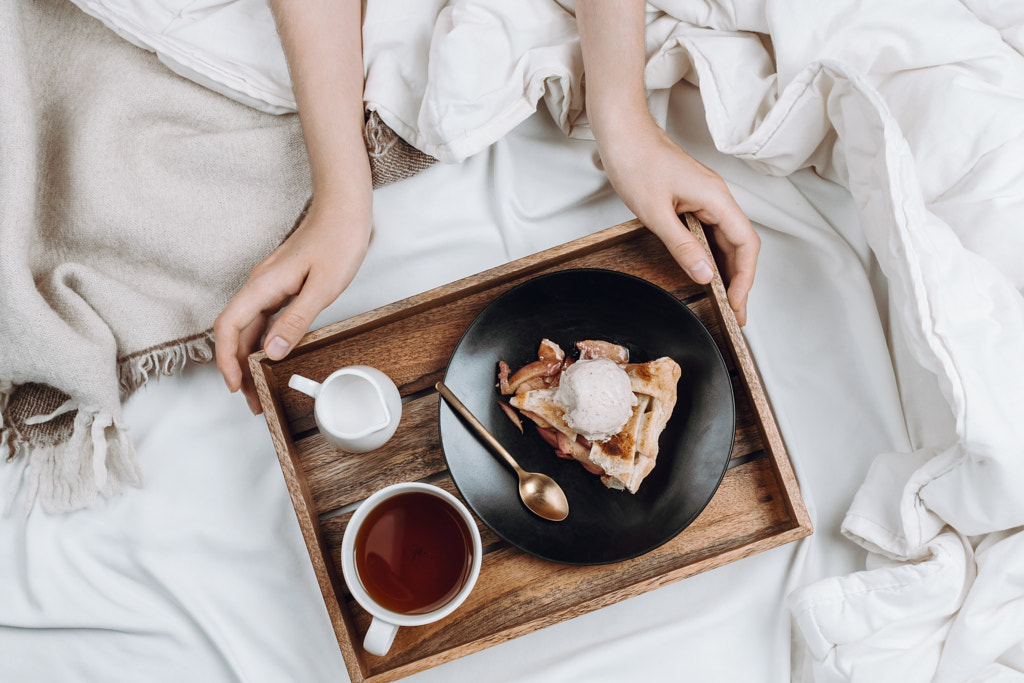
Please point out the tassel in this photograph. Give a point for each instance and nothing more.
(98, 458)
(135, 370)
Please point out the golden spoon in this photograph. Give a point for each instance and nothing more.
(540, 493)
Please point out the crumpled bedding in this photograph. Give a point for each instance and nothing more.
(916, 110)
(202, 573)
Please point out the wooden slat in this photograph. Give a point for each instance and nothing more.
(748, 434)
(337, 479)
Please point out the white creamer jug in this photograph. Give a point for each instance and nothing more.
(357, 408)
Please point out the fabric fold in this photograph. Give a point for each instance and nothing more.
(888, 622)
(917, 109)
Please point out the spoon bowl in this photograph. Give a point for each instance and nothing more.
(540, 493)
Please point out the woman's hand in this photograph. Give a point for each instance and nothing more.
(314, 265)
(322, 40)
(657, 180)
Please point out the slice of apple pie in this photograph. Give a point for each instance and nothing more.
(600, 410)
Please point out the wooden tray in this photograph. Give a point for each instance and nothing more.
(757, 507)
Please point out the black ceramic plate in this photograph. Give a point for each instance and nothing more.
(603, 525)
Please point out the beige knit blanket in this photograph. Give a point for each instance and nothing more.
(133, 204)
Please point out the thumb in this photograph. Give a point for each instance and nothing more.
(686, 249)
(295, 320)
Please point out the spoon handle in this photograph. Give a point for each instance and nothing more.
(477, 426)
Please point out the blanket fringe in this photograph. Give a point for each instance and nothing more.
(379, 138)
(98, 458)
(66, 469)
(135, 370)
(6, 389)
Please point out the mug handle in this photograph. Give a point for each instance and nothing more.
(379, 637)
(306, 386)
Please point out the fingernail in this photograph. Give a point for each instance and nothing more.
(277, 348)
(702, 271)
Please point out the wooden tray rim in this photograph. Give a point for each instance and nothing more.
(327, 577)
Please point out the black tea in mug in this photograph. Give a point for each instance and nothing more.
(413, 553)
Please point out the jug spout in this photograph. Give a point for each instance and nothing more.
(357, 405)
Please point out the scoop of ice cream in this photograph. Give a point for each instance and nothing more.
(597, 398)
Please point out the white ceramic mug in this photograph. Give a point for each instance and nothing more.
(357, 408)
(385, 623)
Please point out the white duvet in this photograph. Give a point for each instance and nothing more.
(913, 272)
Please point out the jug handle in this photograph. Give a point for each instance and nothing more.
(306, 386)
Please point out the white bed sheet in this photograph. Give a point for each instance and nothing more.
(202, 573)
(916, 107)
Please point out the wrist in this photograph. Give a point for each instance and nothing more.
(352, 212)
(343, 185)
(624, 134)
(616, 114)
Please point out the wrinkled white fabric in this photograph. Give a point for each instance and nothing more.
(230, 47)
(917, 109)
(203, 574)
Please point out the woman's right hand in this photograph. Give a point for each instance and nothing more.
(657, 180)
(303, 276)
